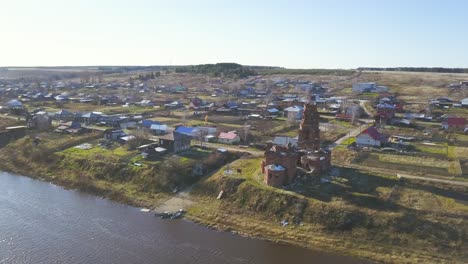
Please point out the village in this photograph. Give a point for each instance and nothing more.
(296, 149)
(368, 125)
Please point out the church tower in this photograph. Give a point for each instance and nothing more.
(309, 131)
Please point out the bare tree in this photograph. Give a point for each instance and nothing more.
(245, 131)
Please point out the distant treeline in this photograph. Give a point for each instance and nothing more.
(417, 69)
(338, 72)
(229, 70)
(121, 69)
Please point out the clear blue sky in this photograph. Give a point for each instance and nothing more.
(293, 33)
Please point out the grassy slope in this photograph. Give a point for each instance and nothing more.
(99, 171)
(409, 223)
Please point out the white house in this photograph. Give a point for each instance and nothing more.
(158, 129)
(369, 137)
(14, 104)
(371, 87)
(128, 125)
(464, 102)
(294, 112)
(146, 103)
(228, 138)
(285, 141)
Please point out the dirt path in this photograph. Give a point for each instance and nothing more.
(252, 151)
(181, 200)
(362, 103)
(459, 183)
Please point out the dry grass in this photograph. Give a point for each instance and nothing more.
(8, 121)
(412, 160)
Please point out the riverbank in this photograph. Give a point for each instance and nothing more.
(376, 217)
(368, 216)
(42, 223)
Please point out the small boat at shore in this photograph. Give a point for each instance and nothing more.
(175, 215)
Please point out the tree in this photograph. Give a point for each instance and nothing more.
(245, 131)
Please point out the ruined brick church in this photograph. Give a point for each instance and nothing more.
(282, 164)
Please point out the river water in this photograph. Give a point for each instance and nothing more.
(43, 223)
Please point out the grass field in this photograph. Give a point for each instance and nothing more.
(8, 121)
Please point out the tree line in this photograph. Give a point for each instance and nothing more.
(229, 70)
(417, 69)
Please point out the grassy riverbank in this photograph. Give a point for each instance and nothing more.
(370, 216)
(114, 171)
(366, 215)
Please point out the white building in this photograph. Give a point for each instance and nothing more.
(369, 87)
(369, 137)
(464, 102)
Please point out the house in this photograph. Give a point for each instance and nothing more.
(344, 117)
(189, 131)
(128, 125)
(385, 111)
(464, 102)
(272, 111)
(14, 104)
(285, 141)
(90, 118)
(111, 120)
(369, 137)
(145, 103)
(196, 102)
(158, 129)
(175, 142)
(40, 121)
(294, 112)
(71, 127)
(147, 123)
(61, 98)
(207, 130)
(369, 87)
(174, 105)
(232, 105)
(64, 115)
(177, 89)
(228, 138)
(114, 134)
(454, 123)
(126, 139)
(151, 149)
(209, 138)
(254, 117)
(444, 99)
(38, 97)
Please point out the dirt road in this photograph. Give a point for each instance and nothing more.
(458, 183)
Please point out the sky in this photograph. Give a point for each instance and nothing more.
(291, 33)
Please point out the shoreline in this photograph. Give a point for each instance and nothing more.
(367, 251)
(205, 222)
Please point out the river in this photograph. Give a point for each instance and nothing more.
(43, 223)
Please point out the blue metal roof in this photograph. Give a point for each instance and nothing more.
(185, 130)
(147, 123)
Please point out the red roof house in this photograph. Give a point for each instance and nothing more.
(228, 138)
(454, 123)
(369, 137)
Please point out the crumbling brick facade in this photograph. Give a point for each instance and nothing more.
(285, 157)
(309, 130)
